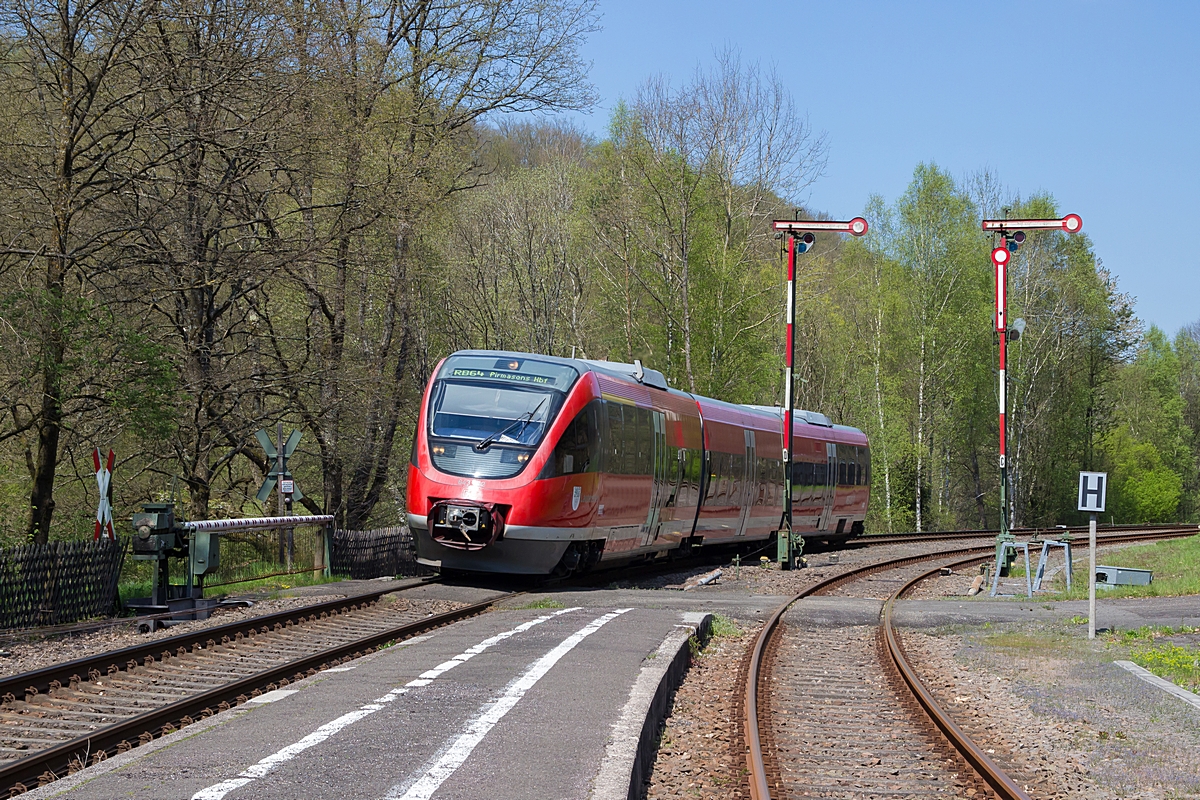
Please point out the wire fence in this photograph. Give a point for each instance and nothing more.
(373, 554)
(59, 582)
(65, 582)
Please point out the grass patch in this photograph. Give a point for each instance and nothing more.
(1175, 564)
(272, 584)
(724, 626)
(1148, 633)
(541, 602)
(140, 587)
(1017, 643)
(1148, 647)
(1179, 664)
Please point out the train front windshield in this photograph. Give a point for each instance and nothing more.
(488, 415)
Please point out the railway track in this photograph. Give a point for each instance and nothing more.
(842, 712)
(56, 720)
(1149, 531)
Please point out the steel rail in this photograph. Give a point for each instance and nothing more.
(996, 779)
(759, 788)
(1076, 530)
(41, 679)
(62, 759)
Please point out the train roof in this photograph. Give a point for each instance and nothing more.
(655, 379)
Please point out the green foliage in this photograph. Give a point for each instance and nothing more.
(724, 626)
(1142, 488)
(349, 224)
(1149, 450)
(1175, 564)
(542, 602)
(1179, 664)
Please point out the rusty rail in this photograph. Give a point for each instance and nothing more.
(987, 770)
(996, 779)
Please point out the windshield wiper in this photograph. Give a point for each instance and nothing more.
(522, 420)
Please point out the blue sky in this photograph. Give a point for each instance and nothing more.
(1093, 102)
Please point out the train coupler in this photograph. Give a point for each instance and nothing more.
(464, 525)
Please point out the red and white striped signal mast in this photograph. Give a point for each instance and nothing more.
(1013, 231)
(801, 239)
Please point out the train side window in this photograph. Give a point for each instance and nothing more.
(716, 466)
(645, 442)
(615, 430)
(696, 475)
(841, 473)
(737, 490)
(630, 440)
(578, 450)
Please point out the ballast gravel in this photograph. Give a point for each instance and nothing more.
(700, 751)
(1060, 715)
(1051, 709)
(26, 651)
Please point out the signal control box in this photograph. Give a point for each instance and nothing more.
(158, 537)
(155, 535)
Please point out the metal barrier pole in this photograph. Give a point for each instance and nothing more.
(1092, 575)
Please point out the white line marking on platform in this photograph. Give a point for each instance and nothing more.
(272, 696)
(491, 713)
(218, 790)
(1165, 685)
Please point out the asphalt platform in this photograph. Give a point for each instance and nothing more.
(512, 704)
(522, 702)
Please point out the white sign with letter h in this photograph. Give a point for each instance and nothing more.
(1093, 486)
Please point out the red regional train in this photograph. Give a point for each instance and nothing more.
(531, 464)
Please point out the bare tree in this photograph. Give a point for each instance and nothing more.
(208, 238)
(405, 84)
(731, 135)
(77, 77)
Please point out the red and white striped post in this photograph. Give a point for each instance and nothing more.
(801, 239)
(1013, 231)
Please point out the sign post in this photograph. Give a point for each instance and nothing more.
(800, 240)
(281, 475)
(1013, 231)
(1093, 489)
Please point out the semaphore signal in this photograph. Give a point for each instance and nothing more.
(803, 238)
(1013, 231)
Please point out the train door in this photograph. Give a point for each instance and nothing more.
(663, 483)
(830, 483)
(749, 484)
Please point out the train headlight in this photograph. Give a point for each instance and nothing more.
(439, 450)
(522, 458)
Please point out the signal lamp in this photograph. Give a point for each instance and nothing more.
(1012, 246)
(1019, 237)
(1018, 328)
(805, 241)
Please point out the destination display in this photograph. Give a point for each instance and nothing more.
(528, 371)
